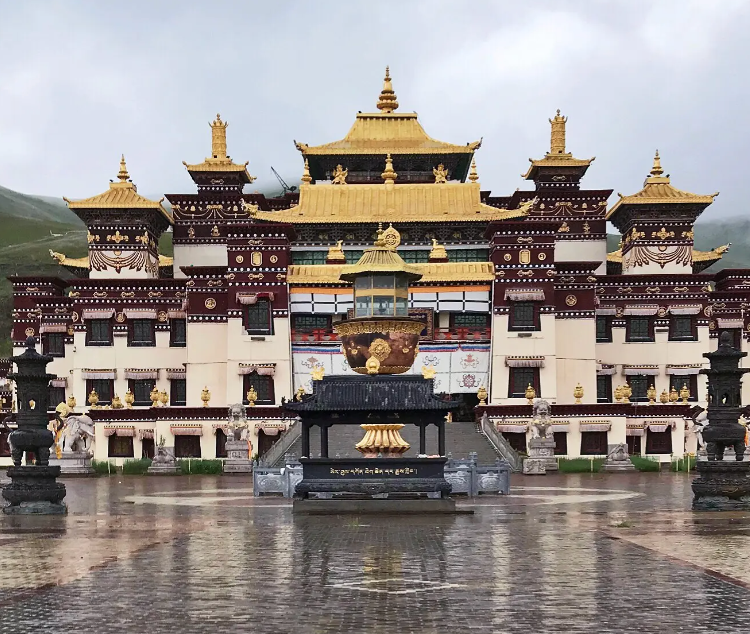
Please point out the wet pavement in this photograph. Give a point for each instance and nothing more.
(563, 553)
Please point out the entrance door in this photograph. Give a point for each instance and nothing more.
(265, 442)
(147, 448)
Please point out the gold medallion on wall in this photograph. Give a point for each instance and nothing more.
(210, 303)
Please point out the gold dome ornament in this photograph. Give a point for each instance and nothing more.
(530, 394)
(116, 402)
(482, 395)
(252, 396)
(684, 394)
(627, 392)
(673, 395)
(578, 393)
(651, 395)
(71, 403)
(205, 396)
(163, 398)
(664, 397)
(93, 399)
(618, 393)
(129, 398)
(473, 176)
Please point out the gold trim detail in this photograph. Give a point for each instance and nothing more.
(210, 303)
(349, 328)
(380, 349)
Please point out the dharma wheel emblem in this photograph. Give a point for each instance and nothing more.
(210, 303)
(571, 300)
(29, 332)
(391, 237)
(380, 349)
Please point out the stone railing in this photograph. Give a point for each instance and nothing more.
(277, 480)
(501, 444)
(275, 454)
(469, 478)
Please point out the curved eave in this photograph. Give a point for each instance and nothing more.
(431, 272)
(552, 162)
(675, 197)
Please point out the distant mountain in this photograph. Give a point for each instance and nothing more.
(44, 209)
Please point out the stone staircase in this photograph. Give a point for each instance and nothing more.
(461, 438)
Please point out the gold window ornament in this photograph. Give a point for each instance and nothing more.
(274, 259)
(507, 257)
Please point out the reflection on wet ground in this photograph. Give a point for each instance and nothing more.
(577, 553)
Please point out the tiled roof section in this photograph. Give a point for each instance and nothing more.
(372, 393)
(372, 203)
(431, 272)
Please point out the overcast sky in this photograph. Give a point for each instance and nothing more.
(81, 82)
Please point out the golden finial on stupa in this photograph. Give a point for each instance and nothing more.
(387, 101)
(389, 175)
(473, 176)
(219, 138)
(379, 238)
(657, 169)
(306, 178)
(557, 140)
(123, 175)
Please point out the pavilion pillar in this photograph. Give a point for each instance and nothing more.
(441, 438)
(324, 440)
(306, 438)
(423, 439)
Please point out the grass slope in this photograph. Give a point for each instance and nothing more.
(15, 205)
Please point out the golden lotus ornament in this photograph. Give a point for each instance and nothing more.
(578, 394)
(482, 395)
(382, 440)
(530, 394)
(651, 395)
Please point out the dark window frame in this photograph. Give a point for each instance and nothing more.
(638, 336)
(315, 322)
(137, 331)
(659, 442)
(120, 447)
(681, 333)
(594, 443)
(56, 350)
(603, 388)
(258, 317)
(264, 387)
(519, 322)
(530, 376)
(603, 329)
(174, 392)
(98, 383)
(636, 381)
(482, 321)
(677, 381)
(138, 388)
(95, 331)
(55, 396)
(177, 333)
(181, 451)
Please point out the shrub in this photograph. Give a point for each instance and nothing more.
(201, 467)
(686, 463)
(136, 467)
(580, 465)
(104, 467)
(642, 463)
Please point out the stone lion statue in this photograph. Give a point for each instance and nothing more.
(237, 423)
(541, 427)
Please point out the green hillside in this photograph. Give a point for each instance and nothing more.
(44, 209)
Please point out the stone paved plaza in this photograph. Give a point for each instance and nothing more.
(588, 553)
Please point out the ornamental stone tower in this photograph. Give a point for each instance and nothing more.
(123, 230)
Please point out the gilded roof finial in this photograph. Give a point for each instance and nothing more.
(219, 138)
(557, 140)
(306, 178)
(123, 173)
(387, 101)
(379, 240)
(657, 170)
(438, 252)
(389, 175)
(336, 253)
(473, 176)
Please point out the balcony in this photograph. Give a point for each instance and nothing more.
(440, 334)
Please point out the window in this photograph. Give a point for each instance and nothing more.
(221, 444)
(639, 384)
(53, 344)
(103, 388)
(352, 257)
(177, 333)
(310, 323)
(681, 328)
(517, 441)
(640, 329)
(561, 443)
(469, 255)
(594, 443)
(263, 387)
(187, 446)
(98, 332)
(258, 318)
(309, 257)
(603, 329)
(472, 321)
(415, 257)
(523, 316)
(634, 445)
(659, 441)
(603, 388)
(177, 392)
(141, 389)
(56, 395)
(120, 447)
(689, 380)
(520, 379)
(141, 332)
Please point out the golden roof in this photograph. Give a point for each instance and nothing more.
(122, 194)
(378, 202)
(219, 161)
(83, 263)
(387, 131)
(557, 156)
(379, 258)
(432, 272)
(657, 189)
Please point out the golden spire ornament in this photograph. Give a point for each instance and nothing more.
(389, 176)
(557, 135)
(657, 169)
(306, 178)
(473, 176)
(219, 138)
(123, 175)
(387, 101)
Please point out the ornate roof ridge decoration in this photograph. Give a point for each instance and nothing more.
(432, 272)
(122, 194)
(557, 156)
(219, 161)
(400, 202)
(387, 131)
(701, 259)
(83, 263)
(658, 190)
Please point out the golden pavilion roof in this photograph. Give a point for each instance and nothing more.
(657, 189)
(122, 194)
(387, 132)
(380, 258)
(432, 272)
(83, 263)
(557, 156)
(219, 161)
(379, 202)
